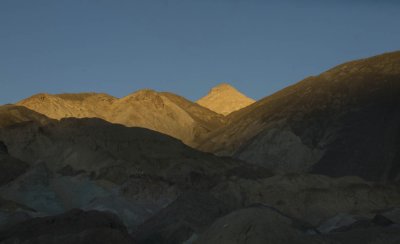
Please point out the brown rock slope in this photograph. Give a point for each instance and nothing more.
(163, 112)
(345, 121)
(225, 99)
(11, 115)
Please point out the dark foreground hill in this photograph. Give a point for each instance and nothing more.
(345, 121)
(134, 185)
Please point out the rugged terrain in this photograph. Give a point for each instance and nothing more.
(57, 166)
(317, 162)
(345, 121)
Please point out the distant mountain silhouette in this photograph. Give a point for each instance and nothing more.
(345, 121)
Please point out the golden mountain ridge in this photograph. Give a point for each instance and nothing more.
(160, 111)
(225, 99)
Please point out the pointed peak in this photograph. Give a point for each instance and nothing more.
(144, 92)
(225, 99)
(223, 87)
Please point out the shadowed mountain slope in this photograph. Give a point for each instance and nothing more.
(75, 226)
(12, 114)
(345, 121)
(93, 164)
(225, 99)
(91, 144)
(163, 112)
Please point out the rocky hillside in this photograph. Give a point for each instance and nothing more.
(345, 121)
(298, 209)
(12, 114)
(92, 164)
(75, 180)
(225, 99)
(163, 112)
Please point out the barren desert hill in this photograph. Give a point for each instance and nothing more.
(345, 121)
(163, 112)
(166, 113)
(225, 99)
(80, 105)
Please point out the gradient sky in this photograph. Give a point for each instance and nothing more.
(183, 46)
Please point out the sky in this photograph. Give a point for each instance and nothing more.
(184, 46)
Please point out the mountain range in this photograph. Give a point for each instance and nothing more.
(160, 111)
(317, 162)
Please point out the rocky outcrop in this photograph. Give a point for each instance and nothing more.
(344, 121)
(225, 99)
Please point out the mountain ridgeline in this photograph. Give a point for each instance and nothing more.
(163, 112)
(345, 121)
(317, 162)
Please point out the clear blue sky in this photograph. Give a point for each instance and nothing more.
(183, 46)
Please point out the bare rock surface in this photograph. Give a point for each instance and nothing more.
(312, 198)
(188, 215)
(264, 224)
(255, 225)
(308, 204)
(225, 99)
